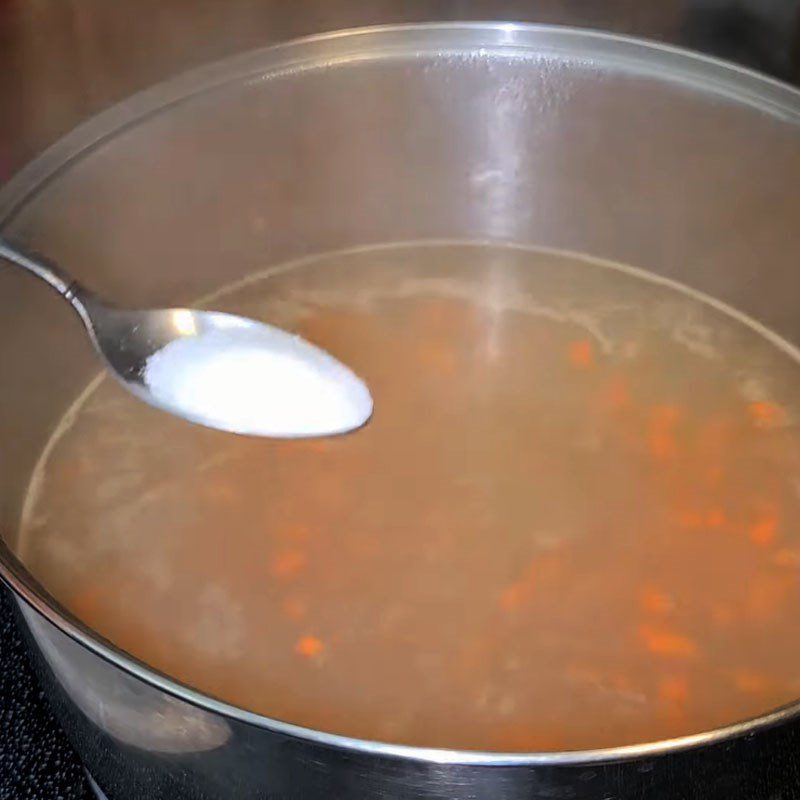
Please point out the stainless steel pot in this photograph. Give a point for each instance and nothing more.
(625, 150)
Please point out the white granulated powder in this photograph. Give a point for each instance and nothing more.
(257, 380)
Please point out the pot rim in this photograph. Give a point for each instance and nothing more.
(637, 56)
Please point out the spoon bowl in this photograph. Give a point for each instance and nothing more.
(215, 369)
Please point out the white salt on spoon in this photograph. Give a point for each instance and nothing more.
(215, 369)
(259, 380)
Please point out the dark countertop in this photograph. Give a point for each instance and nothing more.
(35, 760)
(63, 60)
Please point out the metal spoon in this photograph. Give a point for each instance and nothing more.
(216, 369)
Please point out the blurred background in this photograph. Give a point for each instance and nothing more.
(63, 60)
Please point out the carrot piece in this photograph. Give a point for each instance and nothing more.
(619, 396)
(288, 563)
(661, 441)
(694, 519)
(673, 690)
(766, 415)
(517, 593)
(654, 601)
(514, 596)
(749, 682)
(309, 647)
(764, 530)
(581, 354)
(664, 642)
(713, 440)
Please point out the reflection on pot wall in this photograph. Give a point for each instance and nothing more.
(120, 705)
(63, 61)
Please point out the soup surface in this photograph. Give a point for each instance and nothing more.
(571, 523)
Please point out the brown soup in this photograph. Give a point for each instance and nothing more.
(572, 522)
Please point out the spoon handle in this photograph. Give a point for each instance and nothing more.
(52, 275)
